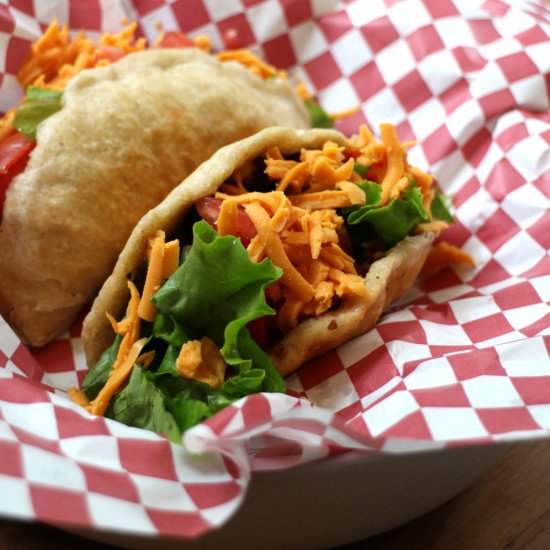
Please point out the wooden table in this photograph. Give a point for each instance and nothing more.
(507, 509)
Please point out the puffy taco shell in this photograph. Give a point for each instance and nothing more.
(386, 280)
(126, 135)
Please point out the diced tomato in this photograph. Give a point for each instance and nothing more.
(209, 210)
(14, 147)
(352, 154)
(174, 39)
(14, 154)
(110, 53)
(258, 329)
(232, 39)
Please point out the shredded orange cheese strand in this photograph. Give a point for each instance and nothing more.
(77, 396)
(201, 360)
(252, 62)
(56, 57)
(443, 254)
(275, 250)
(163, 261)
(348, 112)
(119, 374)
(325, 175)
(395, 161)
(227, 219)
(130, 326)
(295, 177)
(171, 260)
(436, 225)
(153, 279)
(128, 352)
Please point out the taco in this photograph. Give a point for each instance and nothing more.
(114, 142)
(277, 249)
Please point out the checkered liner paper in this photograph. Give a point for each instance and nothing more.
(463, 359)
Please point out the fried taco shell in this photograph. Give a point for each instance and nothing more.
(386, 280)
(126, 135)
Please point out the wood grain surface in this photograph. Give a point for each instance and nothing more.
(507, 509)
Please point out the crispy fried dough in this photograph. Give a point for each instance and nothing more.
(127, 134)
(387, 279)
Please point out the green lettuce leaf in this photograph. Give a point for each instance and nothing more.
(168, 363)
(37, 105)
(166, 328)
(372, 191)
(394, 221)
(190, 401)
(217, 291)
(440, 208)
(142, 405)
(97, 376)
(319, 117)
(360, 169)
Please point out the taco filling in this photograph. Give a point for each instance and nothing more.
(285, 240)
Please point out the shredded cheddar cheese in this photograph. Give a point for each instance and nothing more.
(436, 225)
(128, 352)
(302, 90)
(396, 161)
(443, 254)
(163, 261)
(298, 226)
(121, 371)
(252, 62)
(77, 396)
(344, 114)
(56, 57)
(146, 309)
(227, 220)
(201, 360)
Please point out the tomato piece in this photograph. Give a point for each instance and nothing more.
(352, 154)
(209, 210)
(14, 147)
(258, 329)
(110, 53)
(174, 39)
(232, 39)
(14, 155)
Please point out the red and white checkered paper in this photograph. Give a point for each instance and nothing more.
(464, 358)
